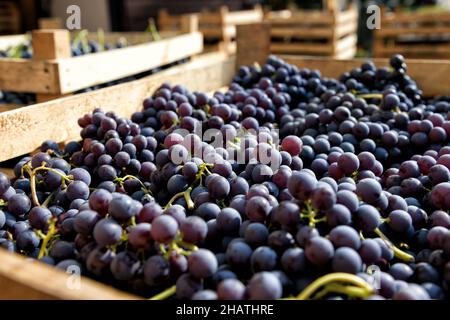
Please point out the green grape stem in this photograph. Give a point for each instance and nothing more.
(52, 231)
(350, 291)
(399, 254)
(165, 294)
(364, 289)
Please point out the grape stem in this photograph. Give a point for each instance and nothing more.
(370, 96)
(365, 288)
(165, 294)
(120, 181)
(351, 291)
(3, 203)
(310, 214)
(33, 189)
(397, 252)
(203, 170)
(47, 237)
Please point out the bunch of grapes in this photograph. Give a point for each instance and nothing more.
(287, 185)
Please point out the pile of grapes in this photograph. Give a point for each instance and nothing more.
(288, 185)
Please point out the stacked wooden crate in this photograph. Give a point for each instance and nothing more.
(414, 34)
(53, 72)
(330, 32)
(218, 27)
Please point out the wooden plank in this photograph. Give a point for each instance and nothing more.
(189, 23)
(257, 50)
(346, 28)
(347, 53)
(23, 130)
(443, 49)
(50, 44)
(50, 23)
(395, 18)
(8, 107)
(426, 31)
(307, 33)
(244, 16)
(350, 14)
(211, 32)
(345, 43)
(26, 279)
(85, 71)
(304, 17)
(431, 75)
(28, 76)
(301, 48)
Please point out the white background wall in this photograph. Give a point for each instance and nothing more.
(94, 13)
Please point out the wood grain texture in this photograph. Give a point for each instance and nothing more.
(23, 130)
(50, 44)
(28, 76)
(25, 279)
(253, 43)
(89, 70)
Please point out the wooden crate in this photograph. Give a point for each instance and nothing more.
(9, 18)
(53, 72)
(414, 35)
(330, 32)
(21, 131)
(218, 27)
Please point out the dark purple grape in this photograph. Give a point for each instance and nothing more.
(107, 232)
(264, 286)
(202, 263)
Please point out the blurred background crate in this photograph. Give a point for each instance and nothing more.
(218, 27)
(10, 22)
(423, 33)
(330, 31)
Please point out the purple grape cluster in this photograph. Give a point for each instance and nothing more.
(289, 184)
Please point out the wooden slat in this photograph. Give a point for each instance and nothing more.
(89, 70)
(307, 33)
(345, 43)
(23, 130)
(50, 23)
(25, 279)
(244, 16)
(346, 28)
(300, 48)
(50, 44)
(350, 14)
(304, 17)
(394, 18)
(418, 48)
(348, 53)
(211, 32)
(396, 32)
(209, 18)
(431, 75)
(9, 106)
(257, 50)
(28, 76)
